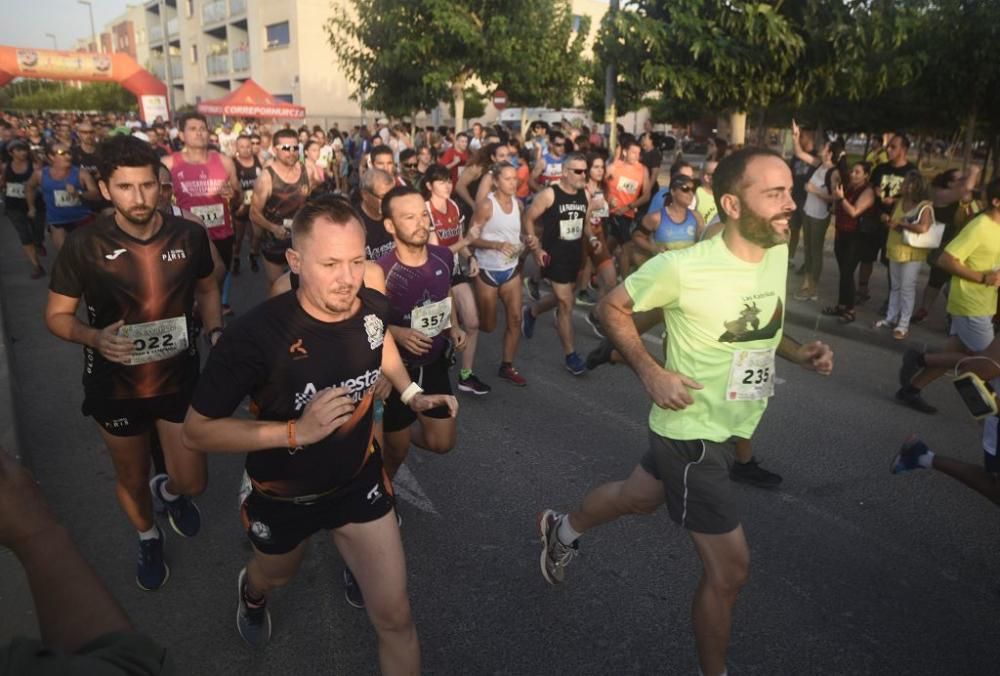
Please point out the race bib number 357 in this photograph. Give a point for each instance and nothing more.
(433, 318)
(751, 375)
(156, 341)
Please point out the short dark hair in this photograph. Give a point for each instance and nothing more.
(184, 118)
(903, 138)
(435, 172)
(728, 178)
(992, 191)
(336, 208)
(627, 142)
(406, 154)
(380, 150)
(676, 167)
(397, 192)
(124, 151)
(284, 133)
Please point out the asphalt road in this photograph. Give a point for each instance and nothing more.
(854, 571)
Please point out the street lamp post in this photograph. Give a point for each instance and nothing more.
(93, 33)
(162, 6)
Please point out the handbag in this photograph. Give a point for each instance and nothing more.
(931, 239)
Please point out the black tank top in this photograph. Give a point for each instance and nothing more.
(286, 198)
(248, 175)
(13, 180)
(562, 225)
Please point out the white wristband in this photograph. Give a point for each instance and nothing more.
(407, 395)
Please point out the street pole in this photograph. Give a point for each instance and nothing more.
(93, 33)
(55, 46)
(610, 83)
(166, 56)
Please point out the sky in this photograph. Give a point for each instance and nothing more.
(67, 19)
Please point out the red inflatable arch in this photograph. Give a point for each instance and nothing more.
(49, 64)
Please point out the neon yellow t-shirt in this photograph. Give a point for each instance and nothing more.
(895, 249)
(977, 247)
(705, 204)
(724, 320)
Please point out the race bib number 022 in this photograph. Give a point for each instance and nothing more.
(433, 318)
(751, 375)
(156, 341)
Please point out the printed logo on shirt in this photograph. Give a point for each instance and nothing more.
(260, 530)
(174, 255)
(297, 350)
(305, 396)
(115, 254)
(746, 328)
(374, 494)
(375, 328)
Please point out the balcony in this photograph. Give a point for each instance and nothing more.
(156, 30)
(237, 7)
(214, 12)
(241, 60)
(160, 71)
(217, 64)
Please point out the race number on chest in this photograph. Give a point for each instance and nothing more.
(156, 341)
(432, 318)
(212, 215)
(751, 375)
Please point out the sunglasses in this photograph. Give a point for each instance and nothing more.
(684, 188)
(559, 145)
(410, 166)
(60, 152)
(288, 147)
(579, 172)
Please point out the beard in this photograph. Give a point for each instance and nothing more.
(138, 215)
(758, 230)
(417, 238)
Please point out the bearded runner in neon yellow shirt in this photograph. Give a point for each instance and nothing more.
(723, 303)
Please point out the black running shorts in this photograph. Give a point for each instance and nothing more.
(132, 417)
(433, 378)
(695, 476)
(278, 526)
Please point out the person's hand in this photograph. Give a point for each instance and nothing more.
(382, 388)
(531, 241)
(112, 346)
(508, 249)
(474, 232)
(669, 389)
(595, 244)
(473, 267)
(425, 402)
(327, 411)
(815, 356)
(31, 212)
(542, 257)
(281, 232)
(23, 511)
(992, 278)
(458, 338)
(796, 132)
(411, 340)
(838, 191)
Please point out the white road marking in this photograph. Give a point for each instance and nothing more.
(407, 488)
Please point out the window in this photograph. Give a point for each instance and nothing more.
(287, 98)
(278, 34)
(576, 22)
(190, 8)
(194, 53)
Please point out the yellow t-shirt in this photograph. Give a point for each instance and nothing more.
(724, 317)
(705, 204)
(977, 247)
(895, 249)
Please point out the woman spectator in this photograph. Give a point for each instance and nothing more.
(854, 205)
(316, 173)
(831, 165)
(913, 212)
(948, 190)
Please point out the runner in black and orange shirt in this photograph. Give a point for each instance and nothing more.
(312, 462)
(140, 271)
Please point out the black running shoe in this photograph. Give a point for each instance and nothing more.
(253, 623)
(752, 473)
(151, 570)
(910, 396)
(473, 385)
(910, 367)
(595, 324)
(183, 514)
(352, 592)
(600, 355)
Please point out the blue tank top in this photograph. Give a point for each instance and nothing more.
(676, 235)
(60, 206)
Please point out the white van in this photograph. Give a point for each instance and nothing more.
(511, 117)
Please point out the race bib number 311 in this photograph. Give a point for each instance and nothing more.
(433, 318)
(751, 375)
(156, 341)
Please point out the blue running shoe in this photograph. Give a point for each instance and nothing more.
(909, 455)
(575, 365)
(527, 322)
(182, 513)
(254, 624)
(151, 571)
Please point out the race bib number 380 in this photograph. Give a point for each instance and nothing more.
(156, 341)
(751, 375)
(433, 318)
(570, 228)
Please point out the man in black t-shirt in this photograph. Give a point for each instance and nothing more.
(309, 360)
(375, 185)
(140, 271)
(886, 181)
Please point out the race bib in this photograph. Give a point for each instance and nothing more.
(65, 199)
(432, 318)
(570, 228)
(212, 215)
(15, 190)
(751, 375)
(156, 341)
(287, 224)
(247, 196)
(628, 186)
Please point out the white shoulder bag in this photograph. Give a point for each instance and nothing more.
(924, 240)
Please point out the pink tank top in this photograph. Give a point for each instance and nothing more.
(197, 188)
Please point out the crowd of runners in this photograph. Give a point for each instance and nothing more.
(384, 254)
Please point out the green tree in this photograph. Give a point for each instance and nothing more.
(475, 106)
(99, 96)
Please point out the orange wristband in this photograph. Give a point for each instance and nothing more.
(292, 443)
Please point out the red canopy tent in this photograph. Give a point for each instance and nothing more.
(251, 100)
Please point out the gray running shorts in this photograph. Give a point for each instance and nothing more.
(695, 476)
